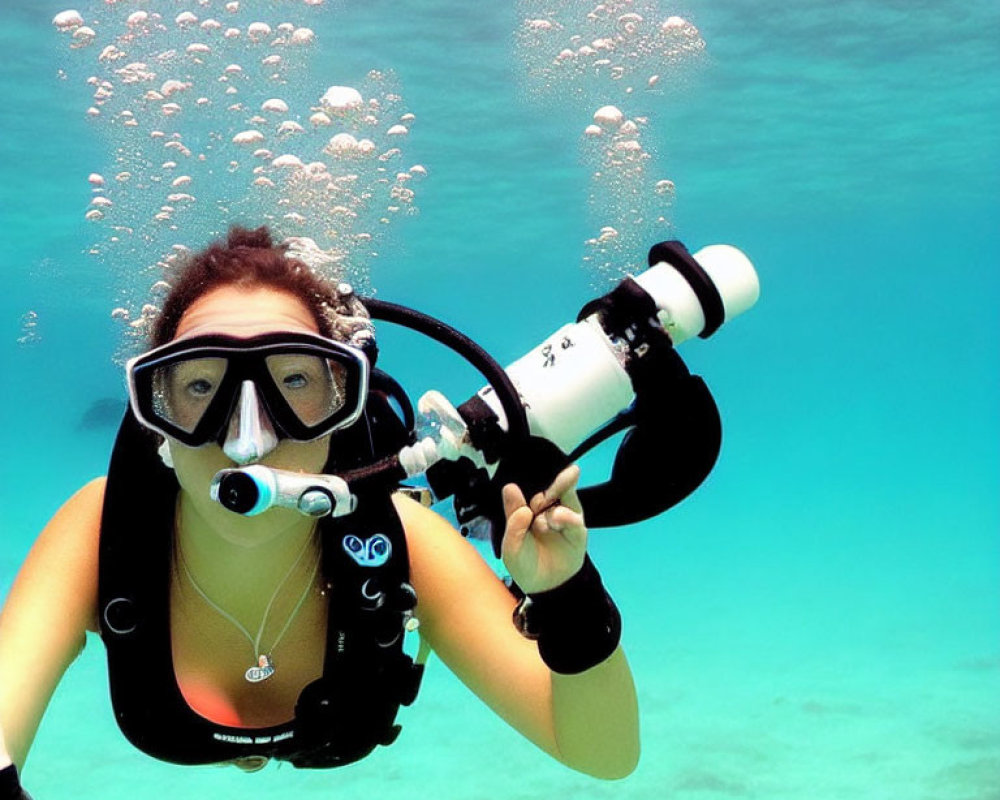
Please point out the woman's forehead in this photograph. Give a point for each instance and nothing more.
(245, 312)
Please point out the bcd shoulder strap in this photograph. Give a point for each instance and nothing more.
(366, 675)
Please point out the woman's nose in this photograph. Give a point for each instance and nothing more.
(251, 435)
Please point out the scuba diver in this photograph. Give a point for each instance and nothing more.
(255, 556)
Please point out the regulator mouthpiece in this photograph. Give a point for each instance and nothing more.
(253, 490)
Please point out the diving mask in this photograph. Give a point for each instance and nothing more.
(189, 389)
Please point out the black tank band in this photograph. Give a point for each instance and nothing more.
(677, 256)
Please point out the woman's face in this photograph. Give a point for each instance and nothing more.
(243, 313)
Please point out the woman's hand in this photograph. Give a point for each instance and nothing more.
(546, 540)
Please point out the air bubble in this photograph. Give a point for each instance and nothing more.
(83, 36)
(289, 127)
(275, 106)
(341, 99)
(609, 116)
(287, 161)
(68, 20)
(111, 53)
(29, 329)
(351, 177)
(342, 143)
(172, 87)
(629, 24)
(258, 31)
(540, 25)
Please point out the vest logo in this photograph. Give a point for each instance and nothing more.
(371, 552)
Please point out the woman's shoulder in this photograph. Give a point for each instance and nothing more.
(91, 493)
(79, 517)
(72, 540)
(418, 519)
(445, 568)
(81, 513)
(430, 537)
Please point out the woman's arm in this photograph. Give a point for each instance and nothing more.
(43, 625)
(589, 721)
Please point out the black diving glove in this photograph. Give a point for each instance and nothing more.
(576, 624)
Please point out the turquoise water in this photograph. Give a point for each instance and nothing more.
(822, 618)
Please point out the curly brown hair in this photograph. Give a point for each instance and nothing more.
(250, 259)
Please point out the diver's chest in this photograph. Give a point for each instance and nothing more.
(221, 676)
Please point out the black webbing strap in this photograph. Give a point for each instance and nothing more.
(621, 308)
(677, 256)
(485, 432)
(366, 675)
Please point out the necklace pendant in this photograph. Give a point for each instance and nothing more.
(263, 670)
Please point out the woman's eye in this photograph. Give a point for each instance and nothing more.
(199, 388)
(295, 381)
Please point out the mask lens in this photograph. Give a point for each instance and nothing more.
(183, 391)
(314, 387)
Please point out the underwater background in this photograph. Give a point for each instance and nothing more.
(821, 619)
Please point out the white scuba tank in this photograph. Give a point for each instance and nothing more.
(575, 380)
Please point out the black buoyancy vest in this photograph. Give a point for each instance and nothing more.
(339, 718)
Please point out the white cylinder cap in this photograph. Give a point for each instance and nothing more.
(733, 275)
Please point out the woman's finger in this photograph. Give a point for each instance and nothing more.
(562, 518)
(564, 484)
(513, 499)
(519, 518)
(564, 481)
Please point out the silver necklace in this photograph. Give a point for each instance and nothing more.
(264, 668)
